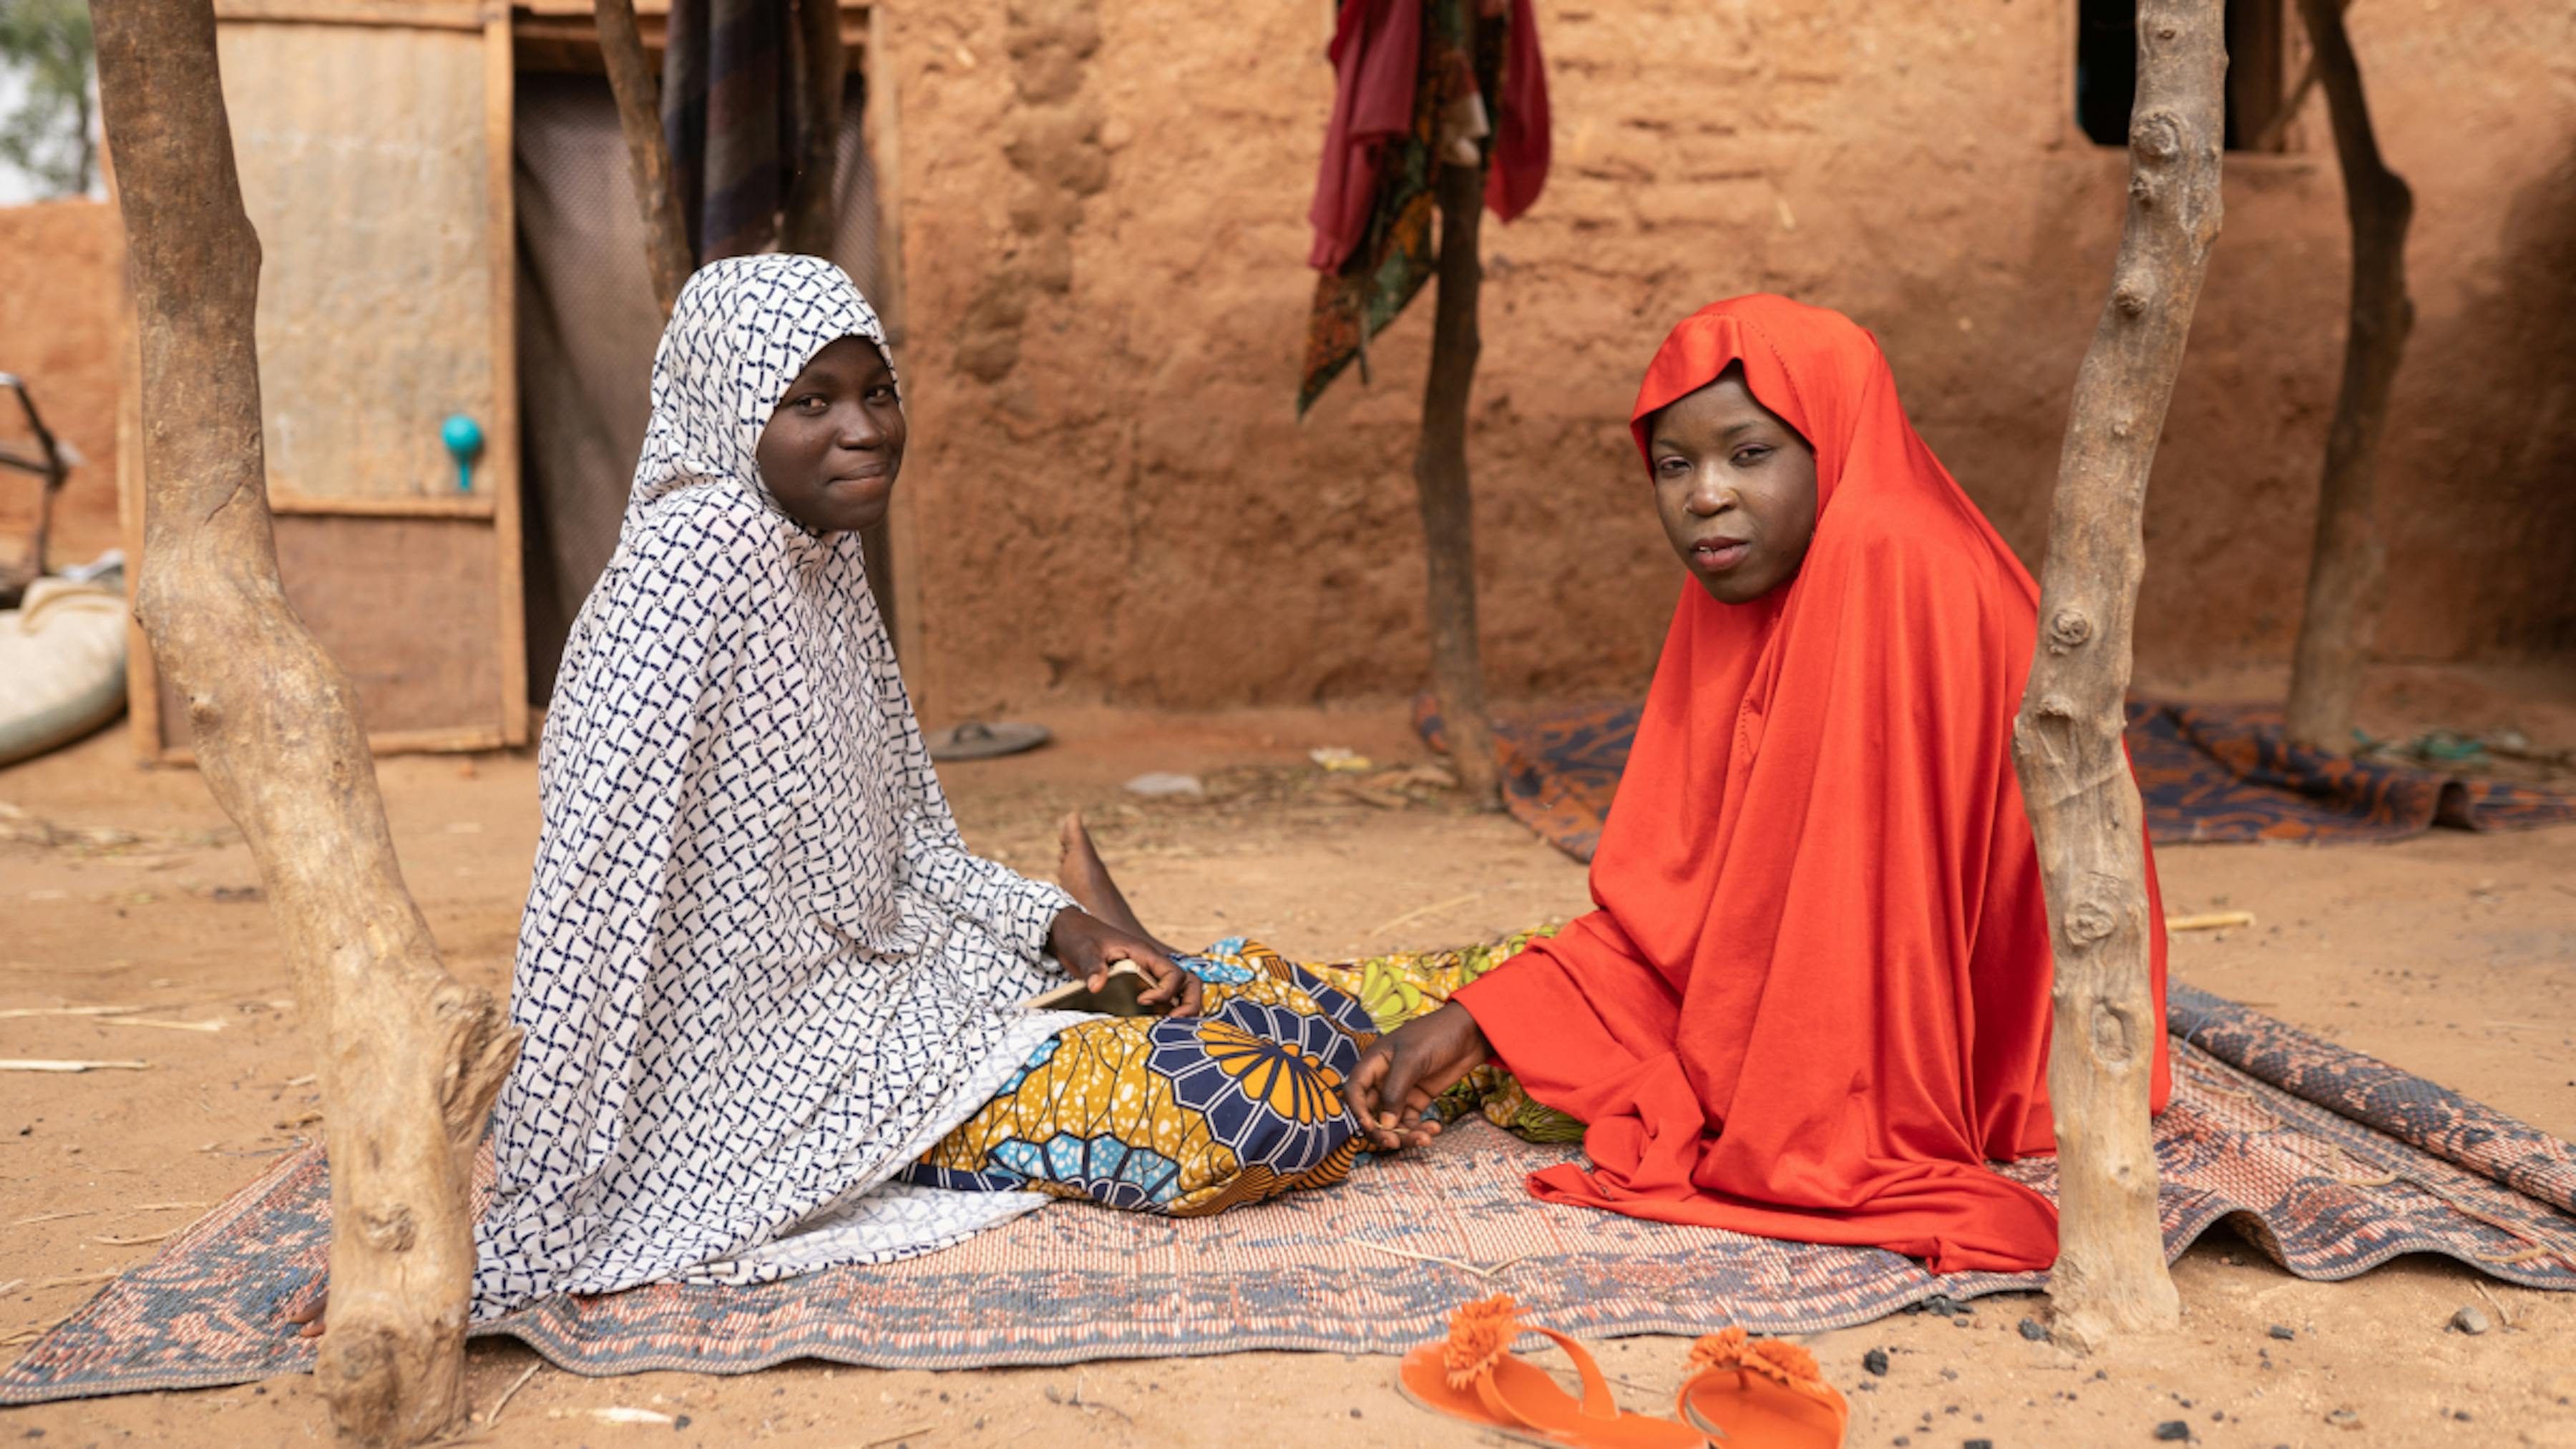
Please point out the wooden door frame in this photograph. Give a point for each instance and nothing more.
(541, 21)
(509, 722)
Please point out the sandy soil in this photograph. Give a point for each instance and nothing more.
(2449, 955)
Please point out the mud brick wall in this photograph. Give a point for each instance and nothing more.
(1110, 498)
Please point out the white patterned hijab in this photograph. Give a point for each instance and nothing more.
(740, 333)
(759, 972)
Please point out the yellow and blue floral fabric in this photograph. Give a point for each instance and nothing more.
(1243, 1102)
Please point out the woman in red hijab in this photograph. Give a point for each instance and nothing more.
(1814, 1000)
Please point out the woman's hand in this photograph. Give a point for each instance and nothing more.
(1400, 1074)
(1088, 945)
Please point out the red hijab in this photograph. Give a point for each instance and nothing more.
(1814, 1001)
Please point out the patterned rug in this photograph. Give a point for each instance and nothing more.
(2209, 773)
(2327, 1160)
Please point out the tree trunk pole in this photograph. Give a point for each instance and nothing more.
(2269, 138)
(824, 68)
(88, 146)
(648, 156)
(2349, 570)
(2110, 1276)
(1440, 484)
(410, 1059)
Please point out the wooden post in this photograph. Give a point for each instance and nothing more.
(2110, 1276)
(648, 156)
(2269, 138)
(823, 67)
(410, 1059)
(2350, 565)
(1440, 484)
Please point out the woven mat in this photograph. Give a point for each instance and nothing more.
(2208, 774)
(2327, 1160)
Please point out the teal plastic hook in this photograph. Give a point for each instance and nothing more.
(464, 440)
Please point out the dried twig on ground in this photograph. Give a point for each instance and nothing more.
(19, 827)
(493, 1415)
(35, 1331)
(623, 1414)
(1077, 1401)
(1488, 1274)
(2504, 1317)
(1418, 912)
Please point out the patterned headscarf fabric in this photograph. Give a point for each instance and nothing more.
(759, 973)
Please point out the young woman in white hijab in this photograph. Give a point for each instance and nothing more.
(773, 1007)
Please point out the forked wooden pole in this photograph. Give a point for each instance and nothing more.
(2110, 1276)
(2350, 566)
(1440, 486)
(410, 1058)
(648, 155)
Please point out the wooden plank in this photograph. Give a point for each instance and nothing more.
(582, 8)
(571, 47)
(142, 683)
(363, 166)
(429, 15)
(883, 129)
(406, 607)
(2255, 74)
(451, 505)
(501, 457)
(879, 125)
(567, 39)
(582, 29)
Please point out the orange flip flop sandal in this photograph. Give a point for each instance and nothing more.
(1472, 1376)
(1760, 1393)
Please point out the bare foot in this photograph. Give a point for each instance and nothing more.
(1085, 877)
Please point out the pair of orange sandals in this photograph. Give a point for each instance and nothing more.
(1740, 1392)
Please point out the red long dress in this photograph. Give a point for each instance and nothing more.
(1814, 1000)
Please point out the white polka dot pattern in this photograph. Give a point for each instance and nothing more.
(759, 972)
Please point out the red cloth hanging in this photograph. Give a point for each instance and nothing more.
(1377, 55)
(1519, 169)
(1814, 1000)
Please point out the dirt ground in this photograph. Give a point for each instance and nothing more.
(2453, 956)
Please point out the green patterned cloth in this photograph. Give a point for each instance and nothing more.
(1396, 989)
